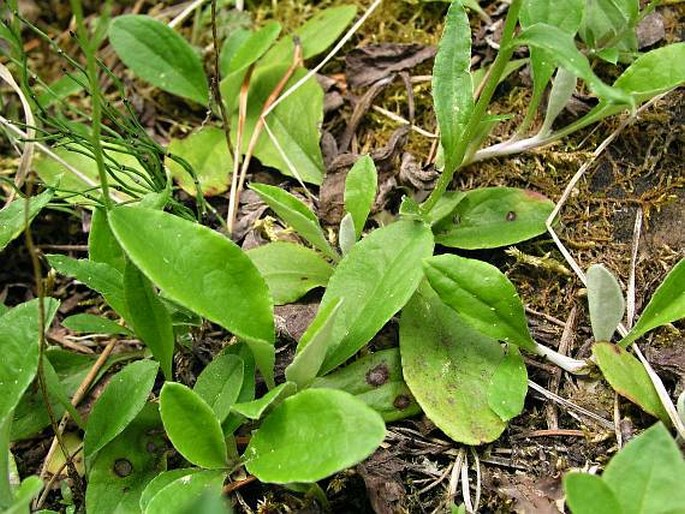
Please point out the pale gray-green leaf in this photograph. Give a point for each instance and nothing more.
(605, 301)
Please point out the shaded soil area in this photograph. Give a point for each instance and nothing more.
(383, 70)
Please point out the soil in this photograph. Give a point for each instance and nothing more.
(412, 471)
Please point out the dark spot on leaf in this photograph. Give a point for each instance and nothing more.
(401, 402)
(615, 348)
(123, 468)
(378, 376)
(304, 278)
(511, 216)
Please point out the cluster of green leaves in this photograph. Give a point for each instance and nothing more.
(461, 325)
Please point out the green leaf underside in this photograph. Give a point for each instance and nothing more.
(361, 184)
(482, 296)
(294, 123)
(448, 367)
(180, 496)
(255, 409)
(149, 317)
(207, 153)
(312, 435)
(647, 475)
(198, 268)
(377, 380)
(192, 426)
(121, 401)
(92, 324)
(589, 494)
(220, 382)
(160, 56)
(628, 377)
(122, 469)
(295, 213)
(374, 281)
(290, 270)
(452, 82)
(666, 305)
(605, 302)
(12, 216)
(19, 340)
(492, 217)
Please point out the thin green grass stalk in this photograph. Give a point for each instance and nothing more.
(497, 69)
(96, 129)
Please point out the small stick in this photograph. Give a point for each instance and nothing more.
(630, 293)
(558, 432)
(604, 423)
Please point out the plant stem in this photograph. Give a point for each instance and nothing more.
(498, 67)
(96, 126)
(574, 366)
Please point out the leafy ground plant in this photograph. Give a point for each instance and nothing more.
(157, 439)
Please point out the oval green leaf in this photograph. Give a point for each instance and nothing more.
(655, 72)
(492, 217)
(181, 495)
(589, 494)
(605, 301)
(312, 435)
(122, 469)
(448, 367)
(290, 270)
(361, 184)
(628, 377)
(192, 426)
(253, 47)
(295, 213)
(255, 409)
(12, 216)
(508, 385)
(482, 296)
(160, 56)
(161, 481)
(119, 404)
(102, 245)
(220, 383)
(666, 305)
(207, 153)
(374, 281)
(198, 268)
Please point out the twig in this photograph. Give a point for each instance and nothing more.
(465, 490)
(180, 18)
(604, 423)
(630, 293)
(216, 79)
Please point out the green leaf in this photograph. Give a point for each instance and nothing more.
(295, 123)
(347, 236)
(376, 379)
(605, 300)
(561, 47)
(160, 56)
(315, 35)
(180, 496)
(220, 382)
(119, 404)
(253, 47)
(666, 305)
(312, 435)
(295, 213)
(290, 270)
(230, 46)
(482, 296)
(492, 217)
(452, 82)
(192, 426)
(589, 494)
(655, 72)
(102, 245)
(198, 268)
(448, 367)
(508, 385)
(92, 324)
(610, 25)
(123, 468)
(149, 317)
(207, 153)
(255, 409)
(12, 216)
(647, 475)
(99, 276)
(361, 184)
(162, 480)
(19, 340)
(25, 493)
(308, 359)
(563, 14)
(247, 390)
(374, 280)
(628, 377)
